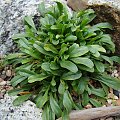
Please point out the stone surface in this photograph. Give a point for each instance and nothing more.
(12, 13)
(27, 111)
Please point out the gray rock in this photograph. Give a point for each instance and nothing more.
(12, 13)
(27, 111)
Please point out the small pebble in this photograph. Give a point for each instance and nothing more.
(116, 75)
(88, 106)
(115, 97)
(8, 73)
(2, 83)
(109, 101)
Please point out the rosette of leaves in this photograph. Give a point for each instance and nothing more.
(62, 64)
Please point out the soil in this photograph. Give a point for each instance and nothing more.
(106, 13)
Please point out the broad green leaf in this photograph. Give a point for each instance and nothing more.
(19, 100)
(40, 77)
(26, 73)
(46, 66)
(98, 92)
(31, 52)
(19, 35)
(95, 102)
(42, 100)
(17, 79)
(50, 47)
(107, 59)
(85, 68)
(99, 48)
(115, 59)
(24, 43)
(100, 66)
(54, 65)
(40, 48)
(41, 8)
(69, 65)
(29, 20)
(84, 61)
(55, 107)
(106, 39)
(67, 101)
(71, 75)
(76, 51)
(70, 38)
(103, 25)
(108, 80)
(60, 7)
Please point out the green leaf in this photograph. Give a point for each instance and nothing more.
(19, 35)
(85, 98)
(26, 73)
(108, 80)
(61, 88)
(83, 82)
(70, 38)
(46, 66)
(54, 65)
(65, 115)
(40, 48)
(100, 66)
(19, 100)
(115, 59)
(14, 55)
(53, 82)
(60, 7)
(84, 61)
(67, 101)
(42, 100)
(55, 107)
(63, 49)
(50, 47)
(98, 92)
(85, 68)
(17, 79)
(46, 113)
(41, 8)
(107, 59)
(16, 91)
(69, 65)
(106, 39)
(96, 47)
(95, 102)
(103, 25)
(76, 51)
(30, 22)
(40, 77)
(71, 75)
